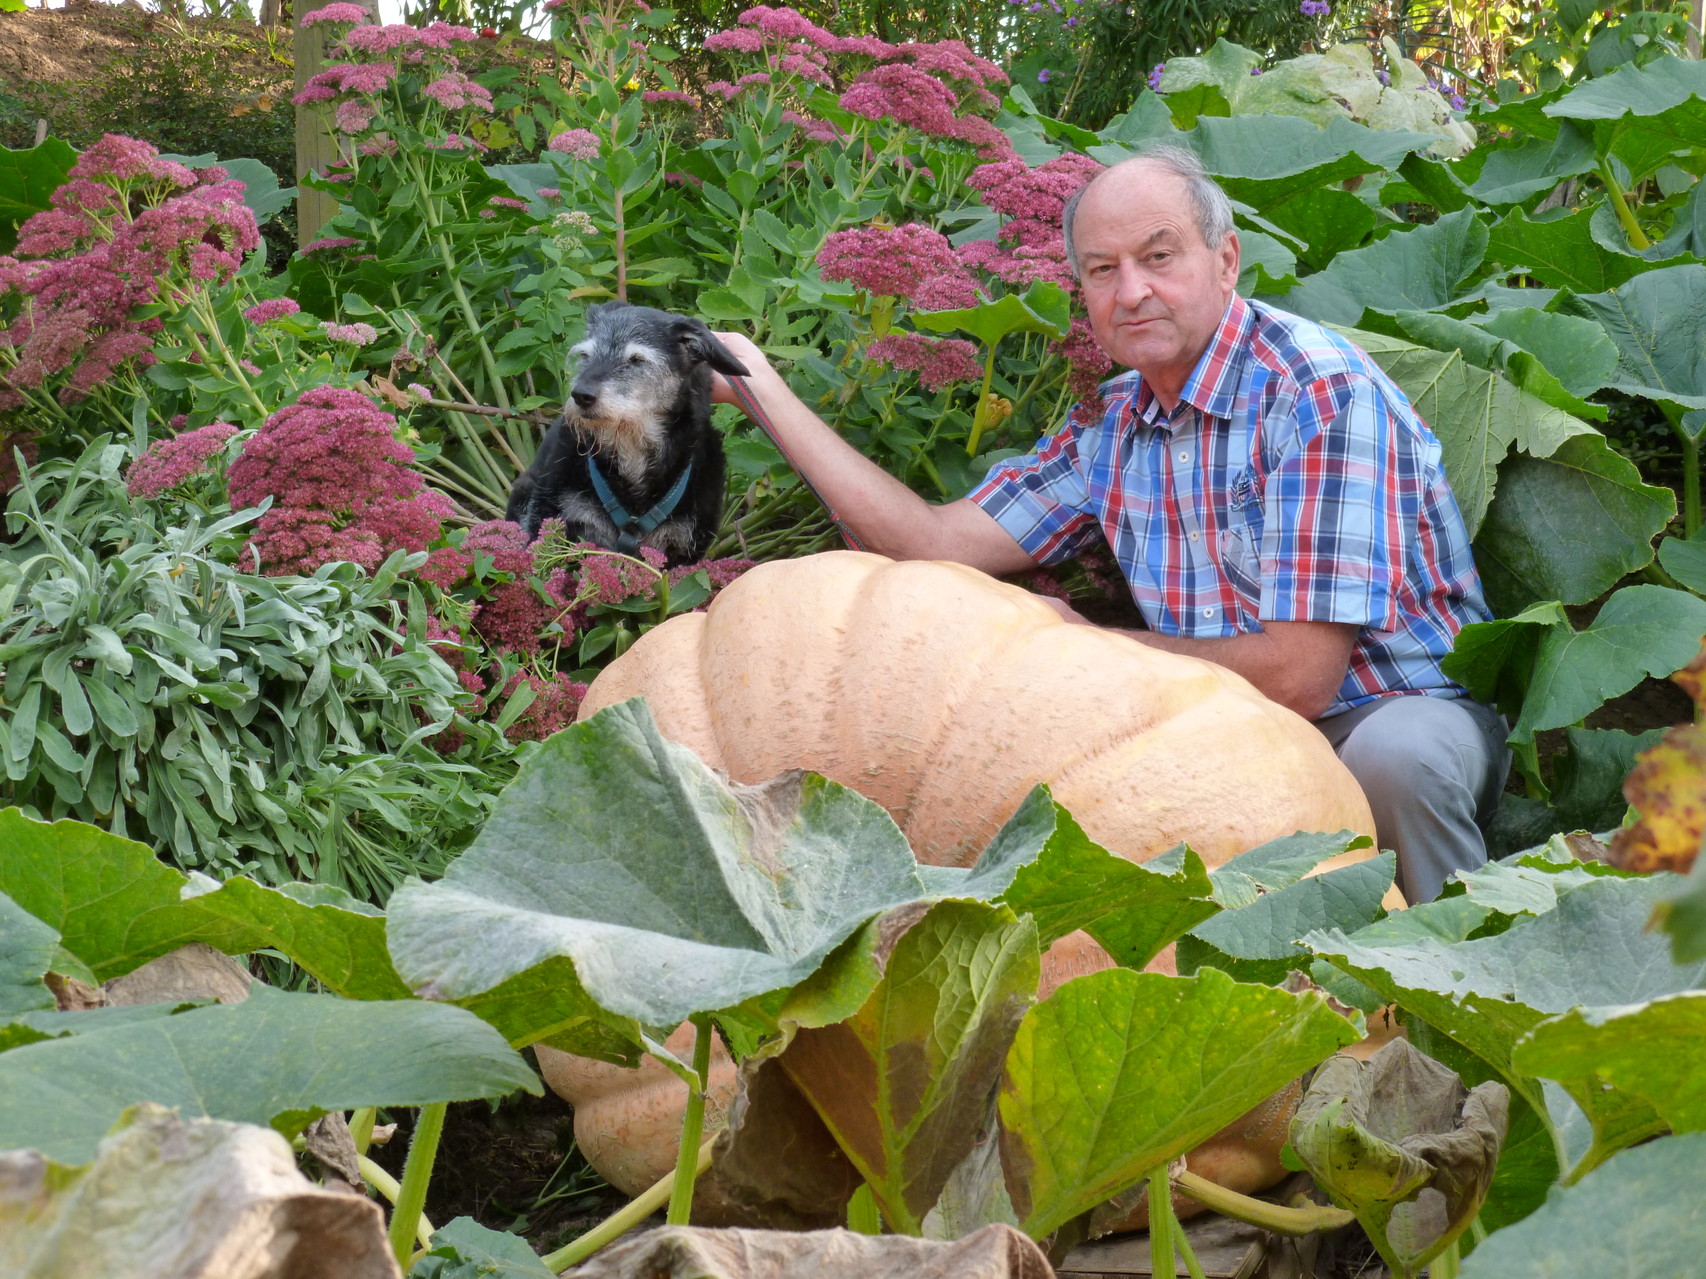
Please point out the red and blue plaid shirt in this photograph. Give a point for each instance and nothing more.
(1293, 482)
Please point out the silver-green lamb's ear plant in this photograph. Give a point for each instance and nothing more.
(1401, 1142)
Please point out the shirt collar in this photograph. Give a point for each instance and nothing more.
(1212, 388)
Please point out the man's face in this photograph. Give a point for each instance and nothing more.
(1154, 291)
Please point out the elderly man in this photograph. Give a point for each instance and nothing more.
(1274, 502)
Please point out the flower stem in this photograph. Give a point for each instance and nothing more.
(623, 1219)
(981, 418)
(417, 1172)
(692, 1124)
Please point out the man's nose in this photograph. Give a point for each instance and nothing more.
(1132, 286)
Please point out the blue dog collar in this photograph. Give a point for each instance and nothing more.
(630, 528)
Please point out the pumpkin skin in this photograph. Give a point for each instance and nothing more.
(946, 696)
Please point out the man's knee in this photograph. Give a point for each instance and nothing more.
(1426, 744)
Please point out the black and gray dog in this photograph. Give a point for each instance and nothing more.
(634, 460)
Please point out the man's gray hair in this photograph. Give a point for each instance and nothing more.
(1213, 210)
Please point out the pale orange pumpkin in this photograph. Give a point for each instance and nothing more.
(946, 696)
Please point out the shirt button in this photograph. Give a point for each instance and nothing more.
(1208, 612)
(1195, 537)
(1184, 457)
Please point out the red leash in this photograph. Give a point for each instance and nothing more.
(749, 404)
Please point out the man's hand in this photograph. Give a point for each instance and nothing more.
(746, 351)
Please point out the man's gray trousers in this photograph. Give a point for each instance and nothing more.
(1433, 769)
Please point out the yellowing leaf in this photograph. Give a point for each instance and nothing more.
(1667, 786)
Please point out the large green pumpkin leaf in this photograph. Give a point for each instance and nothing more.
(1042, 864)
(1488, 993)
(1640, 1214)
(1682, 916)
(1495, 660)
(1119, 1073)
(1476, 414)
(618, 873)
(1045, 308)
(1641, 114)
(1567, 526)
(1640, 631)
(1649, 1050)
(1511, 174)
(27, 948)
(1420, 270)
(1658, 322)
(1488, 351)
(117, 906)
(904, 1083)
(1560, 252)
(1377, 1134)
(1265, 160)
(1575, 351)
(275, 1058)
(1258, 942)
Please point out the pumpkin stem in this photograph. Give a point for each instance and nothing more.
(622, 1220)
(692, 1124)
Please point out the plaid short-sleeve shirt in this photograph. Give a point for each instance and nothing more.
(1293, 482)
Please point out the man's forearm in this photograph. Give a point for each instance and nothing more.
(1301, 671)
(889, 518)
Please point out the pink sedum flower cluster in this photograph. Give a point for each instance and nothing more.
(936, 88)
(343, 486)
(171, 461)
(556, 702)
(892, 261)
(1029, 246)
(582, 144)
(124, 231)
(939, 362)
(270, 310)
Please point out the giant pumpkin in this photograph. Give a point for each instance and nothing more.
(946, 696)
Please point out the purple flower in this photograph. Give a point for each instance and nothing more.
(579, 143)
(272, 309)
(355, 334)
(1161, 67)
(343, 486)
(892, 261)
(1457, 102)
(1255, 71)
(939, 362)
(1315, 8)
(1072, 22)
(1044, 76)
(341, 12)
(171, 461)
(1383, 77)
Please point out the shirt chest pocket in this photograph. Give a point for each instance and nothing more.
(1240, 540)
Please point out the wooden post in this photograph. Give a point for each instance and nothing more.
(1696, 16)
(315, 148)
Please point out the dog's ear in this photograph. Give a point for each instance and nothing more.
(702, 347)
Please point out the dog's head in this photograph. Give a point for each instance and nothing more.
(639, 368)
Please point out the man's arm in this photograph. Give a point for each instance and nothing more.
(889, 518)
(1300, 665)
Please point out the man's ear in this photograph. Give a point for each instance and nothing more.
(703, 348)
(1230, 253)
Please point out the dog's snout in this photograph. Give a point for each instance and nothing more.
(584, 399)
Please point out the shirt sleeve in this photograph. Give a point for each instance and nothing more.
(1336, 505)
(1041, 499)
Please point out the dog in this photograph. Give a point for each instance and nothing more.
(633, 461)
